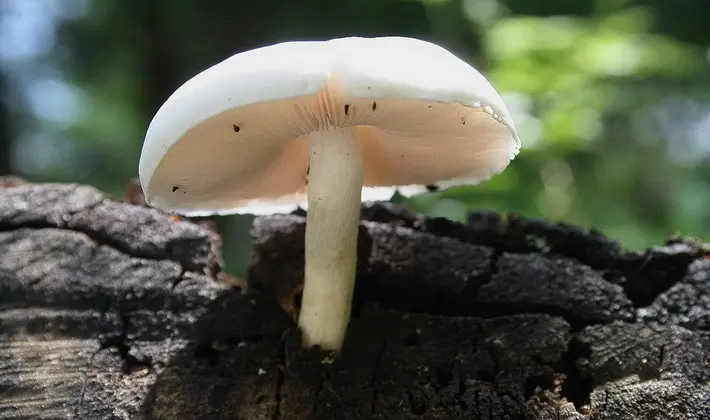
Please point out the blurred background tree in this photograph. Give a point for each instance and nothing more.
(611, 97)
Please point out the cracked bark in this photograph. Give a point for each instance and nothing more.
(113, 310)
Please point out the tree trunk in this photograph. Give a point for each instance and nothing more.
(115, 311)
(6, 128)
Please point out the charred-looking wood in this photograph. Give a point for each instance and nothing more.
(113, 310)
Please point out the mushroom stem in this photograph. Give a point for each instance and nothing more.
(334, 189)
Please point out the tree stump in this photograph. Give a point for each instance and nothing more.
(110, 310)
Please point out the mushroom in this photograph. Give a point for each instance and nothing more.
(324, 125)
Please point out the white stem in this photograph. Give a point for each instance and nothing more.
(334, 188)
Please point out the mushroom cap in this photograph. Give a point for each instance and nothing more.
(234, 137)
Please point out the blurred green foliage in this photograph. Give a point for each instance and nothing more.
(611, 97)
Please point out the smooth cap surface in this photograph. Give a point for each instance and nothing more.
(234, 137)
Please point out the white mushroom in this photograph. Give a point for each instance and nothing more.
(270, 128)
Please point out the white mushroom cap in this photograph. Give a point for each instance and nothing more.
(234, 137)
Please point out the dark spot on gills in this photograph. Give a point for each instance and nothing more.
(432, 188)
(374, 106)
(236, 128)
(347, 109)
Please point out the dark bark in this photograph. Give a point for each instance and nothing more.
(112, 310)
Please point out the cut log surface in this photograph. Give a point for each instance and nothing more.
(110, 310)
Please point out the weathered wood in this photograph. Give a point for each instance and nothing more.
(96, 297)
(112, 310)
